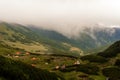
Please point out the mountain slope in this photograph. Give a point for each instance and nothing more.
(98, 36)
(53, 35)
(89, 39)
(112, 51)
(19, 36)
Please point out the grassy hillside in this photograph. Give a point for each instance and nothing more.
(90, 67)
(19, 36)
(6, 49)
(112, 51)
(16, 70)
(89, 39)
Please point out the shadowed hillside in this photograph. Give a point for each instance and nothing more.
(16, 70)
(112, 51)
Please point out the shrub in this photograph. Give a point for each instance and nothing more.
(113, 73)
(94, 58)
(117, 63)
(88, 69)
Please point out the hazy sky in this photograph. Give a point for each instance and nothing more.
(61, 15)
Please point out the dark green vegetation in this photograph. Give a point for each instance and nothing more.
(112, 51)
(94, 58)
(113, 73)
(117, 63)
(16, 70)
(85, 68)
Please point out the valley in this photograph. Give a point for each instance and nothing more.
(59, 39)
(63, 58)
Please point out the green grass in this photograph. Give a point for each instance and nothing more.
(31, 47)
(99, 77)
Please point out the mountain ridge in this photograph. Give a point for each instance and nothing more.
(89, 39)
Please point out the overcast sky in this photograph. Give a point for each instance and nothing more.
(64, 15)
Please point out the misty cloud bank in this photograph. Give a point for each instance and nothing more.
(68, 17)
(72, 31)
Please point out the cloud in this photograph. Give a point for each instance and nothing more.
(68, 17)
